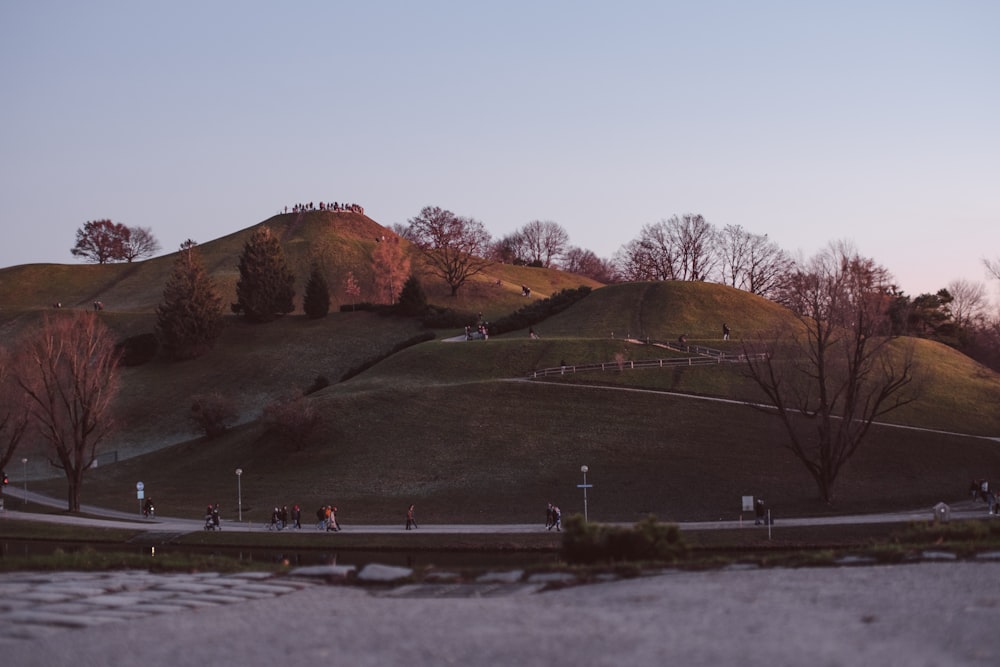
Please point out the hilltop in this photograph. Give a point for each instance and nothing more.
(456, 427)
(340, 241)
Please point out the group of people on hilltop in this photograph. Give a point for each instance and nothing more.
(325, 206)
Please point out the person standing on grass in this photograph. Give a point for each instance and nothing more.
(410, 518)
(759, 515)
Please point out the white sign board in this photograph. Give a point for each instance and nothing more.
(747, 503)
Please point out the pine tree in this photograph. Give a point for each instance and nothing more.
(316, 301)
(412, 299)
(189, 320)
(265, 288)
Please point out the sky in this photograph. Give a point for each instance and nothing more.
(812, 122)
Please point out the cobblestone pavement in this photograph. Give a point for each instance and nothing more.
(928, 614)
(38, 605)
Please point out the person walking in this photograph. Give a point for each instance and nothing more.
(332, 521)
(411, 518)
(297, 516)
(759, 513)
(548, 516)
(556, 519)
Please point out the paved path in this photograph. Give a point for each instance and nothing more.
(966, 509)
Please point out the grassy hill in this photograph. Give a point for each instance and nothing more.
(341, 242)
(456, 428)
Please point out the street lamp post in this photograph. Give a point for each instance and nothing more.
(24, 476)
(239, 493)
(584, 486)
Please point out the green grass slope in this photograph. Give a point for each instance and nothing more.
(454, 427)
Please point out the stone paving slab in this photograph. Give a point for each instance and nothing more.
(36, 605)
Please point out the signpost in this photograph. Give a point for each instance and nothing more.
(584, 486)
(239, 493)
(140, 494)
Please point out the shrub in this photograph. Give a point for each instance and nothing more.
(291, 419)
(446, 318)
(213, 413)
(137, 350)
(648, 540)
(321, 382)
(316, 301)
(414, 340)
(412, 299)
(537, 311)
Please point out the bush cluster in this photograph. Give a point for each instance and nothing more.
(213, 413)
(137, 350)
(409, 342)
(447, 318)
(648, 540)
(537, 311)
(291, 419)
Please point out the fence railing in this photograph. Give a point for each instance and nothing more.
(705, 356)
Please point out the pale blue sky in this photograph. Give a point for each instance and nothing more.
(875, 122)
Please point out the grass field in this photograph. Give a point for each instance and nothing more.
(457, 429)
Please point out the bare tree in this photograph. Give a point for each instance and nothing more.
(586, 263)
(139, 243)
(14, 410)
(455, 248)
(544, 242)
(694, 242)
(351, 288)
(68, 369)
(751, 262)
(390, 267)
(993, 267)
(679, 248)
(511, 249)
(968, 301)
(734, 248)
(650, 256)
(767, 267)
(837, 369)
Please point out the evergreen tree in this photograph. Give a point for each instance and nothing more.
(412, 299)
(265, 288)
(189, 320)
(316, 301)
